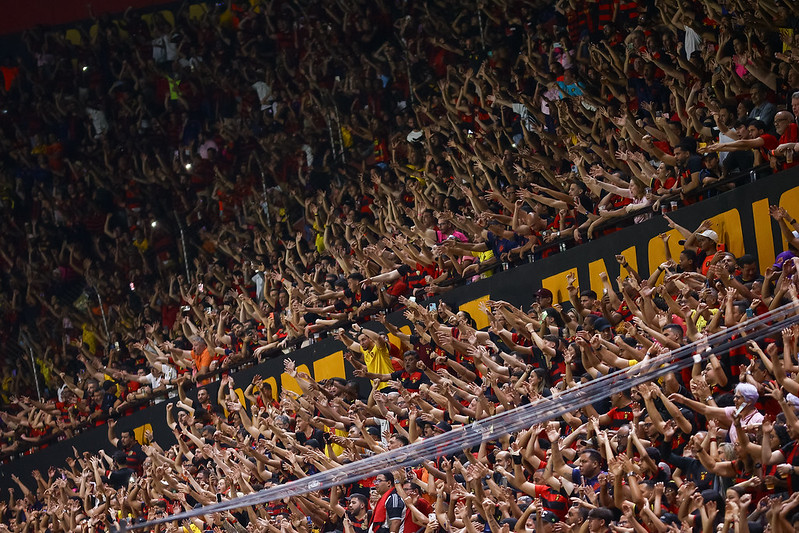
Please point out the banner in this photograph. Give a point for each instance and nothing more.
(741, 218)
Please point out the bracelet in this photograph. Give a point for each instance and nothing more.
(517, 459)
(708, 399)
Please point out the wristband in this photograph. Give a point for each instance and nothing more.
(517, 459)
(793, 221)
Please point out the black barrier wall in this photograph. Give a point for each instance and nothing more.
(740, 217)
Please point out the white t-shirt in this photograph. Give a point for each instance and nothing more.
(99, 121)
(264, 92)
(164, 49)
(692, 41)
(167, 374)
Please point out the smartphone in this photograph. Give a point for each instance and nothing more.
(201, 287)
(132, 286)
(185, 308)
(432, 307)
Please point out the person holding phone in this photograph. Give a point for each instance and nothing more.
(745, 398)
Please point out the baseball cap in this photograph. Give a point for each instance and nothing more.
(710, 234)
(543, 293)
(782, 258)
(443, 426)
(549, 516)
(601, 324)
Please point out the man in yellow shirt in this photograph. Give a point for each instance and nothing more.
(374, 349)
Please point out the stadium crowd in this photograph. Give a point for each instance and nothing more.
(182, 197)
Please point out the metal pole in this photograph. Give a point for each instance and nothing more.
(265, 204)
(35, 372)
(102, 312)
(410, 83)
(330, 131)
(340, 138)
(480, 21)
(183, 246)
(28, 343)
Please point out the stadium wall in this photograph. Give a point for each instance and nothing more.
(741, 218)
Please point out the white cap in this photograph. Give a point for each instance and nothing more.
(415, 136)
(710, 234)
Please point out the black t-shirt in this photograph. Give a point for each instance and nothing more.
(359, 526)
(791, 453)
(119, 478)
(367, 294)
(135, 456)
(410, 381)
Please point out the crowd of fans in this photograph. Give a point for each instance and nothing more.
(182, 197)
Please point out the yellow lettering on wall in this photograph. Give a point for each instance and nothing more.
(473, 308)
(763, 234)
(630, 255)
(789, 200)
(597, 267)
(240, 393)
(594, 269)
(272, 383)
(393, 339)
(288, 382)
(657, 251)
(328, 367)
(728, 227)
(138, 433)
(558, 285)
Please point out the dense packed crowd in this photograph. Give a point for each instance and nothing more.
(180, 197)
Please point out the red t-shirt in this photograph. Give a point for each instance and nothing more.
(770, 142)
(790, 135)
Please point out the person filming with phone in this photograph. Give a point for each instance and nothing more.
(745, 398)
